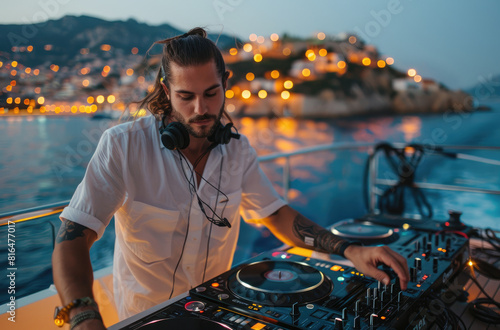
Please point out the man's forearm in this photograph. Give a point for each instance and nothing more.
(71, 264)
(292, 228)
(315, 236)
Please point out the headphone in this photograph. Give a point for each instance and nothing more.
(176, 136)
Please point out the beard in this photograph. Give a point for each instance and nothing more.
(203, 132)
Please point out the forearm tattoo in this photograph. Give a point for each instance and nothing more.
(69, 230)
(315, 236)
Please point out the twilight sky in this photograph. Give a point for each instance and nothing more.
(453, 41)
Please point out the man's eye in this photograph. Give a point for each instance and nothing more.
(186, 98)
(210, 94)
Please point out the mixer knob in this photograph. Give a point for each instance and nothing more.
(429, 247)
(392, 289)
(418, 263)
(382, 296)
(356, 307)
(357, 323)
(344, 314)
(417, 246)
(195, 306)
(200, 289)
(260, 296)
(295, 310)
(436, 240)
(400, 296)
(339, 324)
(368, 293)
(379, 286)
(413, 274)
(372, 320)
(424, 241)
(435, 264)
(374, 303)
(375, 293)
(454, 220)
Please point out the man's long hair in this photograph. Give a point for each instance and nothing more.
(191, 48)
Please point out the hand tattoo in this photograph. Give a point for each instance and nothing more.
(315, 236)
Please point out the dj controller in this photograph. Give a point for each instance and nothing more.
(281, 290)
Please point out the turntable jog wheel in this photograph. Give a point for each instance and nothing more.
(365, 232)
(191, 323)
(280, 283)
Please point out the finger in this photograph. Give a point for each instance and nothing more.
(379, 275)
(400, 270)
(402, 261)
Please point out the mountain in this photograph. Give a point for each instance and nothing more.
(70, 34)
(488, 88)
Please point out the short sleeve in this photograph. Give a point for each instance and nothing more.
(259, 198)
(102, 190)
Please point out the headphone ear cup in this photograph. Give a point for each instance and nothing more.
(226, 136)
(222, 134)
(175, 136)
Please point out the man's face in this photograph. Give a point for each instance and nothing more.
(197, 97)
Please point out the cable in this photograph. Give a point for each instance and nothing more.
(404, 166)
(211, 224)
(192, 189)
(220, 221)
(486, 314)
(479, 310)
(183, 245)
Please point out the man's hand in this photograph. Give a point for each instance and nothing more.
(366, 260)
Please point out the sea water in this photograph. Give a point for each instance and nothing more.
(43, 159)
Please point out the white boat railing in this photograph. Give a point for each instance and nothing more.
(47, 210)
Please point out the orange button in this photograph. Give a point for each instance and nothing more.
(215, 284)
(336, 268)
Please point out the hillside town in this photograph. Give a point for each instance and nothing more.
(323, 76)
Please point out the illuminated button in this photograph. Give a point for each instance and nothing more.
(215, 285)
(340, 279)
(309, 306)
(258, 326)
(382, 317)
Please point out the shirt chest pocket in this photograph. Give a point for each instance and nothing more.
(226, 208)
(149, 231)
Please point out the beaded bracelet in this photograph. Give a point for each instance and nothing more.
(85, 315)
(61, 314)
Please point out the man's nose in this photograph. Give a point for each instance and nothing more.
(200, 107)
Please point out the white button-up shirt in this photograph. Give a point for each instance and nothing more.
(158, 221)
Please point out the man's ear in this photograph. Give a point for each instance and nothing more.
(165, 89)
(224, 79)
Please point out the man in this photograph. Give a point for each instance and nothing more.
(163, 192)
